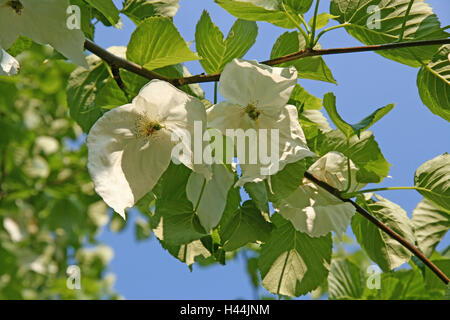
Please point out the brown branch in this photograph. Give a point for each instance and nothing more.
(322, 52)
(139, 70)
(413, 249)
(118, 62)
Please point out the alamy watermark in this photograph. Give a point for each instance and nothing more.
(73, 281)
(252, 146)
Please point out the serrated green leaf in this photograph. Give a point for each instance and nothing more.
(107, 9)
(321, 20)
(247, 226)
(433, 82)
(174, 217)
(379, 246)
(345, 280)
(432, 281)
(110, 96)
(433, 180)
(139, 10)
(363, 151)
(430, 223)
(313, 122)
(217, 52)
(313, 68)
(156, 43)
(291, 262)
(213, 193)
(370, 29)
(286, 181)
(188, 253)
(299, 7)
(329, 102)
(82, 90)
(303, 100)
(258, 10)
(258, 193)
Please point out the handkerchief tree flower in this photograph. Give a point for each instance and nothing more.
(256, 98)
(130, 146)
(315, 211)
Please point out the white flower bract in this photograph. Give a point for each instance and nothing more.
(8, 65)
(130, 147)
(256, 98)
(314, 210)
(45, 22)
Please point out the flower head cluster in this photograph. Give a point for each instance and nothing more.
(130, 147)
(256, 98)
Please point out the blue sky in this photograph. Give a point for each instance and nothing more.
(408, 136)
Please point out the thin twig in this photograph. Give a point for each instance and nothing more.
(122, 63)
(321, 52)
(413, 249)
(139, 70)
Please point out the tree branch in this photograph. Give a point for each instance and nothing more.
(414, 250)
(201, 78)
(118, 62)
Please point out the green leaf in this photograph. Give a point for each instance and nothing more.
(430, 223)
(292, 263)
(20, 45)
(299, 7)
(313, 122)
(284, 182)
(303, 100)
(258, 10)
(364, 25)
(433, 82)
(174, 215)
(345, 280)
(258, 193)
(188, 253)
(363, 151)
(321, 20)
(156, 43)
(139, 10)
(217, 52)
(110, 96)
(213, 193)
(329, 102)
(401, 285)
(313, 68)
(379, 246)
(82, 90)
(432, 281)
(107, 9)
(247, 226)
(433, 179)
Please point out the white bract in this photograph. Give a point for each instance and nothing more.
(314, 210)
(256, 98)
(130, 146)
(8, 65)
(44, 22)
